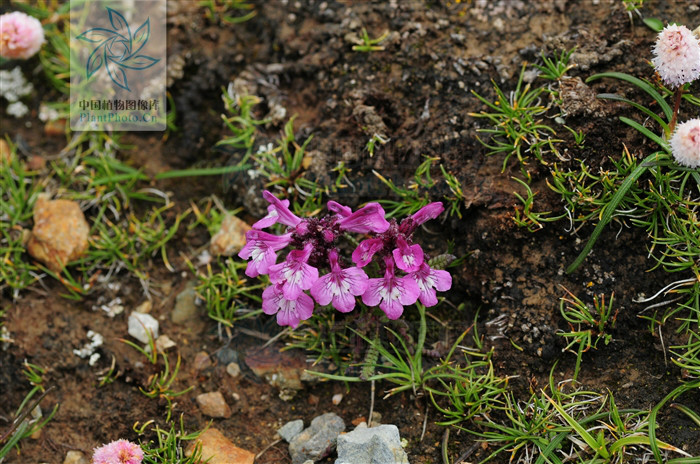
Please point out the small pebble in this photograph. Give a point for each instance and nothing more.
(213, 405)
(337, 398)
(291, 429)
(144, 307)
(75, 457)
(202, 361)
(233, 369)
(164, 343)
(140, 325)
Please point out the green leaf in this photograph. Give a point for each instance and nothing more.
(583, 433)
(610, 208)
(661, 142)
(654, 24)
(645, 86)
(201, 172)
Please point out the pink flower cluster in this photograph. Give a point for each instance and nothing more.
(118, 452)
(685, 143)
(21, 35)
(315, 241)
(677, 55)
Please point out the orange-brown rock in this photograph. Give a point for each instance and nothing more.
(60, 233)
(218, 448)
(230, 238)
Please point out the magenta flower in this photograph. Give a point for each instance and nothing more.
(391, 293)
(677, 55)
(369, 218)
(339, 209)
(365, 251)
(685, 143)
(21, 35)
(428, 281)
(118, 452)
(340, 286)
(408, 258)
(428, 212)
(271, 217)
(295, 275)
(289, 312)
(263, 248)
(278, 212)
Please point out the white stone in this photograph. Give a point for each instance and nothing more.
(141, 324)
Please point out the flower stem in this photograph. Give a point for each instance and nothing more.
(676, 105)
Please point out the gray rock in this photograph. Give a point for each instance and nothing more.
(291, 429)
(227, 355)
(376, 445)
(185, 307)
(318, 440)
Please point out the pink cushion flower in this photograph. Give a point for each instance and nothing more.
(677, 55)
(685, 143)
(369, 218)
(294, 274)
(391, 293)
(21, 35)
(340, 286)
(118, 452)
(263, 248)
(289, 312)
(428, 281)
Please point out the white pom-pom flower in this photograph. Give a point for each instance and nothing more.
(685, 143)
(677, 55)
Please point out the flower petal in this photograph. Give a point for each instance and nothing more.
(369, 218)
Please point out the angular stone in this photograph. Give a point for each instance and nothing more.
(318, 440)
(60, 233)
(213, 404)
(185, 307)
(230, 238)
(202, 361)
(376, 445)
(75, 457)
(140, 325)
(233, 369)
(219, 449)
(164, 343)
(291, 429)
(282, 369)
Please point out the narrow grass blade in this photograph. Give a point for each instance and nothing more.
(695, 417)
(610, 208)
(201, 172)
(645, 86)
(642, 108)
(661, 142)
(583, 433)
(653, 442)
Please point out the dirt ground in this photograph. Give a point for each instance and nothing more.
(298, 54)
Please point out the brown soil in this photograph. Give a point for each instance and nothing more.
(437, 53)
